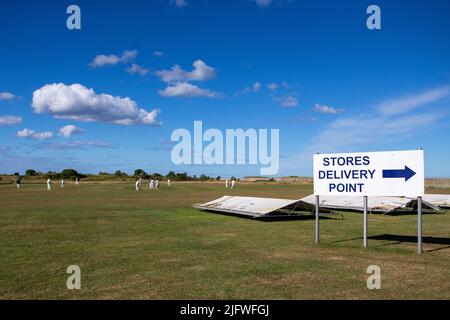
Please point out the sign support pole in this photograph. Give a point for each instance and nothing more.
(419, 225)
(365, 221)
(317, 219)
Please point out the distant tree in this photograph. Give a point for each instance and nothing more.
(67, 174)
(30, 172)
(16, 174)
(171, 175)
(139, 173)
(157, 176)
(218, 178)
(182, 176)
(118, 173)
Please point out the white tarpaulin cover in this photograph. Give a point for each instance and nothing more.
(261, 207)
(375, 204)
(250, 206)
(440, 200)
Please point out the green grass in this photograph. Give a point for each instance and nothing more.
(153, 245)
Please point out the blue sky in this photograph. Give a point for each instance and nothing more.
(311, 69)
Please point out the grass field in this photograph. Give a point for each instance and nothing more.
(153, 245)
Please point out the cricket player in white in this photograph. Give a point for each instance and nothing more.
(49, 184)
(18, 183)
(232, 184)
(77, 180)
(150, 185)
(62, 183)
(137, 185)
(156, 184)
(168, 183)
(226, 183)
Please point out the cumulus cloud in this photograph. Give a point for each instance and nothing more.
(6, 96)
(200, 72)
(158, 54)
(25, 133)
(137, 69)
(69, 130)
(9, 120)
(28, 133)
(76, 102)
(326, 109)
(102, 60)
(187, 90)
(405, 104)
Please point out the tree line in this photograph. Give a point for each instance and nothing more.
(138, 173)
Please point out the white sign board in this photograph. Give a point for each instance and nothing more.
(391, 173)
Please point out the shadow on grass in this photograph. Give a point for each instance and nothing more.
(397, 239)
(274, 217)
(408, 212)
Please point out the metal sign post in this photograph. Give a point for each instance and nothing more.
(419, 225)
(365, 221)
(317, 219)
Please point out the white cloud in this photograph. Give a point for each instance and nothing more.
(326, 109)
(283, 85)
(362, 130)
(272, 86)
(69, 130)
(77, 145)
(256, 87)
(366, 131)
(102, 60)
(76, 102)
(158, 54)
(28, 133)
(135, 68)
(405, 104)
(305, 119)
(6, 96)
(9, 120)
(201, 72)
(128, 55)
(349, 134)
(184, 89)
(25, 133)
(289, 101)
(43, 135)
(263, 3)
(179, 3)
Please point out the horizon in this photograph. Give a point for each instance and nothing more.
(109, 96)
